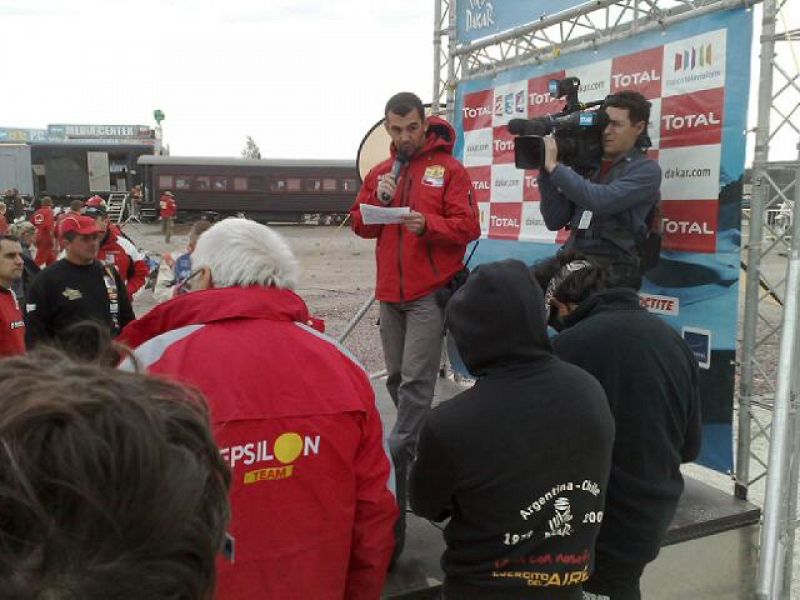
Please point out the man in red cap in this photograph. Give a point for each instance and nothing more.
(168, 210)
(116, 250)
(76, 289)
(45, 222)
(12, 324)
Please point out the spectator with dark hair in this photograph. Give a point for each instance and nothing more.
(111, 485)
(45, 222)
(116, 250)
(76, 288)
(12, 324)
(609, 214)
(650, 379)
(416, 261)
(520, 461)
(25, 232)
(293, 413)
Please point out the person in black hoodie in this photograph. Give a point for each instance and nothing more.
(650, 378)
(519, 462)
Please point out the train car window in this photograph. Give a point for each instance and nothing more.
(165, 182)
(256, 183)
(278, 185)
(313, 185)
(183, 182)
(329, 185)
(349, 185)
(240, 184)
(294, 184)
(219, 184)
(202, 183)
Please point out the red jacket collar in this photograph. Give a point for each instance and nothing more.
(215, 305)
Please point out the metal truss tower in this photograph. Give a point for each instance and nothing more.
(767, 287)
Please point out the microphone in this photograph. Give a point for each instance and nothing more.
(400, 161)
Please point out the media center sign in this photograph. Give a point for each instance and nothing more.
(480, 18)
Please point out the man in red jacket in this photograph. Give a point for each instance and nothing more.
(12, 324)
(168, 208)
(293, 414)
(416, 259)
(116, 250)
(45, 222)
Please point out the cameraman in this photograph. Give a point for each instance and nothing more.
(607, 214)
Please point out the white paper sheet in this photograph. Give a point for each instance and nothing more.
(382, 215)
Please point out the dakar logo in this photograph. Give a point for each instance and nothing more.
(560, 523)
(286, 449)
(480, 14)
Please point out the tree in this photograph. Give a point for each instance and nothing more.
(251, 149)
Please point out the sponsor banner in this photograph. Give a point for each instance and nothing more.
(14, 135)
(540, 102)
(692, 119)
(697, 115)
(478, 147)
(481, 183)
(690, 225)
(477, 19)
(533, 227)
(530, 187)
(640, 71)
(477, 111)
(510, 102)
(99, 131)
(660, 305)
(690, 174)
(504, 221)
(695, 63)
(507, 181)
(502, 146)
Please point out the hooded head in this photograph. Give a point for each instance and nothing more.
(497, 317)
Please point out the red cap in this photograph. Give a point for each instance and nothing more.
(95, 201)
(79, 224)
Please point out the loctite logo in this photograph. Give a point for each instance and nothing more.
(478, 148)
(506, 183)
(693, 58)
(626, 80)
(678, 122)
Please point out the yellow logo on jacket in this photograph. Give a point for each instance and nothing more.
(71, 294)
(286, 449)
(434, 176)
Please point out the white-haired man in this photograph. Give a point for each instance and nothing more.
(293, 414)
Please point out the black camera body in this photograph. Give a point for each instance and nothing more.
(578, 131)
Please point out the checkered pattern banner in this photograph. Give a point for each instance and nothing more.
(684, 80)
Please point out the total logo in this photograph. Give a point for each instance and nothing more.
(473, 112)
(285, 450)
(627, 80)
(504, 222)
(679, 122)
(670, 226)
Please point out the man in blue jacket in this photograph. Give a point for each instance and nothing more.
(607, 215)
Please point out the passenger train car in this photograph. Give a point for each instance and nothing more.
(265, 190)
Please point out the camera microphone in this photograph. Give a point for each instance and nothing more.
(400, 161)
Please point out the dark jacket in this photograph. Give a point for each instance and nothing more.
(520, 461)
(435, 184)
(650, 379)
(620, 204)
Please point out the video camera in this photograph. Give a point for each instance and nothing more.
(578, 132)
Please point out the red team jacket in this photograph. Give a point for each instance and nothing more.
(434, 183)
(168, 207)
(45, 222)
(295, 418)
(119, 252)
(12, 325)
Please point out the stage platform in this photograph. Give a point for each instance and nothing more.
(710, 551)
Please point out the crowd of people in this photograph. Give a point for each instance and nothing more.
(237, 451)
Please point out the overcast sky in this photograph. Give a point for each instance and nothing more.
(305, 78)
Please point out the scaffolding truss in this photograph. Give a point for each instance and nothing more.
(767, 243)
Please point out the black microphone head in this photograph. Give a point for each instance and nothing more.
(401, 158)
(518, 126)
